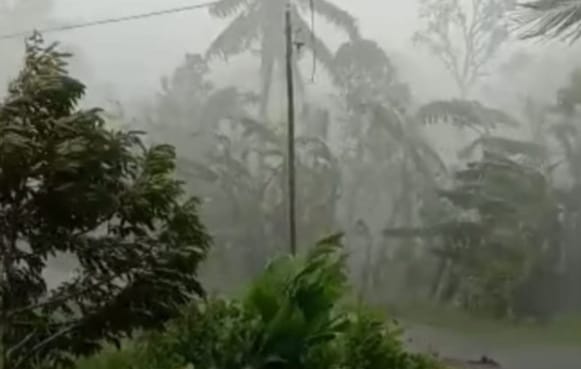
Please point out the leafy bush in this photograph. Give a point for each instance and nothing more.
(71, 188)
(295, 315)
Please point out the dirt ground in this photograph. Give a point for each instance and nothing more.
(515, 355)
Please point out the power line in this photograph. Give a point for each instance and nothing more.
(112, 20)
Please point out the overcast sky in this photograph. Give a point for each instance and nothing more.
(128, 59)
(132, 56)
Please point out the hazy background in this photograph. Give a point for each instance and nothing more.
(125, 61)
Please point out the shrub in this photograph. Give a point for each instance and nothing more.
(295, 315)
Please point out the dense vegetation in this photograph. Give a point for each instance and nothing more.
(294, 315)
(70, 187)
(491, 230)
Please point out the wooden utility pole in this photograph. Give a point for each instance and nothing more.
(290, 133)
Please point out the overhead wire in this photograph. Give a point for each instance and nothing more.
(112, 20)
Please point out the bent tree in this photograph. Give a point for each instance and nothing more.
(70, 186)
(258, 23)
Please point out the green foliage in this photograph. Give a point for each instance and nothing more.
(371, 343)
(293, 316)
(70, 186)
(212, 334)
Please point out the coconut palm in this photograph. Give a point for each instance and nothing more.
(261, 21)
(552, 18)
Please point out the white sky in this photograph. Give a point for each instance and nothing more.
(128, 59)
(139, 52)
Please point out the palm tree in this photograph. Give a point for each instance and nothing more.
(261, 21)
(552, 18)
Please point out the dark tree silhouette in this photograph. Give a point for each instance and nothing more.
(70, 186)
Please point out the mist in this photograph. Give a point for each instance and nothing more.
(382, 161)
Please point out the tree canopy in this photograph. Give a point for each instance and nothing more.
(71, 186)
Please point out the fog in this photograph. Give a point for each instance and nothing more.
(125, 61)
(123, 65)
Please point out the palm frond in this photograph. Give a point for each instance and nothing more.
(552, 19)
(236, 38)
(334, 15)
(315, 44)
(424, 157)
(427, 159)
(227, 8)
(506, 146)
(465, 113)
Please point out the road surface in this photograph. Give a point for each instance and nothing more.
(515, 355)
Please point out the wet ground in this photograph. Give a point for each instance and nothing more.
(514, 355)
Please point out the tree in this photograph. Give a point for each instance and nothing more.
(236, 164)
(552, 18)
(366, 75)
(561, 126)
(484, 120)
(69, 185)
(382, 142)
(504, 238)
(464, 37)
(262, 21)
(195, 106)
(245, 179)
(293, 316)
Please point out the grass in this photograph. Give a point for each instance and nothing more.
(564, 330)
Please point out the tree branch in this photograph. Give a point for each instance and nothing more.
(62, 299)
(43, 343)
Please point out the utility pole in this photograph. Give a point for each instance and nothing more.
(290, 133)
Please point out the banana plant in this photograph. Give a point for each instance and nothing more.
(385, 152)
(505, 230)
(296, 300)
(246, 200)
